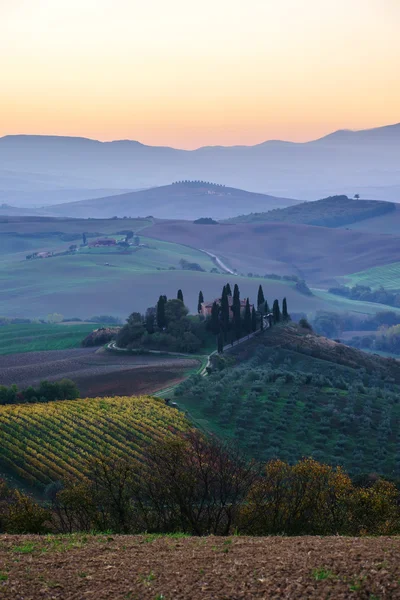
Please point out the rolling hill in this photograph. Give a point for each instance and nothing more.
(363, 162)
(43, 443)
(317, 254)
(291, 394)
(336, 211)
(183, 200)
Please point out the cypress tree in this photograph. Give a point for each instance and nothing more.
(228, 289)
(254, 320)
(180, 295)
(161, 321)
(266, 307)
(200, 301)
(260, 296)
(225, 312)
(220, 342)
(215, 323)
(247, 317)
(236, 312)
(285, 314)
(276, 311)
(84, 239)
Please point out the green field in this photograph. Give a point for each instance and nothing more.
(32, 337)
(387, 276)
(342, 304)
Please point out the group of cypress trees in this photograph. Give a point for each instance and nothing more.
(228, 322)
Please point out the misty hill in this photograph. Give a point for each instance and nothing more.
(184, 200)
(335, 211)
(363, 162)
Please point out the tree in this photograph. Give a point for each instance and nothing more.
(285, 314)
(84, 241)
(228, 289)
(225, 312)
(129, 236)
(174, 310)
(215, 321)
(160, 313)
(254, 319)
(200, 301)
(136, 241)
(276, 312)
(180, 295)
(260, 297)
(220, 342)
(356, 196)
(237, 324)
(247, 317)
(150, 319)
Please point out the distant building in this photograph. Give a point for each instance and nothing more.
(44, 254)
(103, 242)
(206, 307)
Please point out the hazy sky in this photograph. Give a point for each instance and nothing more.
(195, 72)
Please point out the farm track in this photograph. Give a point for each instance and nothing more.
(239, 568)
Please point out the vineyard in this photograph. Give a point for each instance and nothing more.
(42, 443)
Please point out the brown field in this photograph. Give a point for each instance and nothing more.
(316, 253)
(96, 372)
(172, 568)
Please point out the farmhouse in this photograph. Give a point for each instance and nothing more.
(206, 307)
(103, 242)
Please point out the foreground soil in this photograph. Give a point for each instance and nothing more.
(179, 568)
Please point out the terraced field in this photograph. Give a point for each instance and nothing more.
(387, 276)
(42, 443)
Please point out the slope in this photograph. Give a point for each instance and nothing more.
(335, 211)
(42, 443)
(316, 254)
(291, 394)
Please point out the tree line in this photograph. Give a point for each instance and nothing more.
(46, 391)
(197, 485)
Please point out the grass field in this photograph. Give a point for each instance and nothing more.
(342, 304)
(32, 337)
(387, 276)
(42, 443)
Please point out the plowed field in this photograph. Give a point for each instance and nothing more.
(97, 373)
(171, 568)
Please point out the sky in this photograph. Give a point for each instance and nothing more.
(189, 73)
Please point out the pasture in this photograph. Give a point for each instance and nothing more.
(32, 337)
(387, 276)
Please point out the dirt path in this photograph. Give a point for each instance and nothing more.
(106, 567)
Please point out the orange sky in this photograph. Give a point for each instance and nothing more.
(187, 73)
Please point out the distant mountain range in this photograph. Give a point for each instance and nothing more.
(366, 162)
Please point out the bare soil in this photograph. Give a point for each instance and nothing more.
(97, 373)
(171, 568)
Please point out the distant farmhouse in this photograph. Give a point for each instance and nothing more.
(206, 307)
(103, 242)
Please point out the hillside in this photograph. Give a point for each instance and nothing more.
(311, 170)
(42, 443)
(183, 200)
(313, 253)
(335, 211)
(291, 394)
